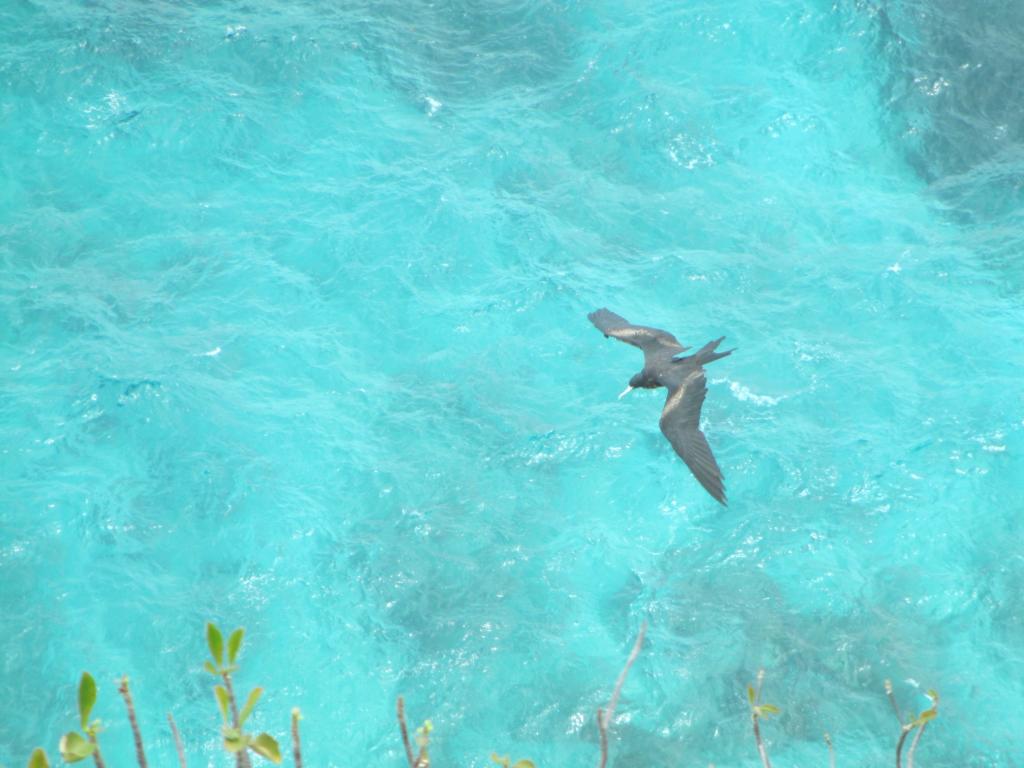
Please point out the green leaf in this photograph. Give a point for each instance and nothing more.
(249, 704)
(73, 747)
(502, 761)
(234, 644)
(86, 696)
(222, 700)
(215, 641)
(265, 745)
(208, 666)
(750, 694)
(927, 716)
(769, 709)
(524, 764)
(38, 759)
(234, 739)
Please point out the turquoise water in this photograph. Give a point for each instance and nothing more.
(293, 335)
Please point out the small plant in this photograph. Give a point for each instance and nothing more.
(422, 759)
(920, 723)
(215, 642)
(236, 741)
(423, 742)
(757, 711)
(74, 746)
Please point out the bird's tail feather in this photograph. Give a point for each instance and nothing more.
(707, 354)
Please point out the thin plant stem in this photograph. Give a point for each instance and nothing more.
(177, 741)
(625, 671)
(892, 701)
(604, 717)
(755, 709)
(296, 745)
(231, 698)
(899, 744)
(761, 749)
(405, 733)
(913, 745)
(140, 753)
(831, 752)
(96, 756)
(602, 727)
(242, 756)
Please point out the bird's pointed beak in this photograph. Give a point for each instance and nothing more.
(625, 392)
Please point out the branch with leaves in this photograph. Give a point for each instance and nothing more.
(422, 759)
(920, 723)
(236, 741)
(758, 710)
(73, 746)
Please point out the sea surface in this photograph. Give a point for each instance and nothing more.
(293, 336)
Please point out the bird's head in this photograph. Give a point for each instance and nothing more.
(640, 381)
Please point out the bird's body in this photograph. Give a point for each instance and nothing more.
(687, 386)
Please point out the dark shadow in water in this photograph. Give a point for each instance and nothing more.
(956, 97)
(463, 50)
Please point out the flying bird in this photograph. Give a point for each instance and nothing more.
(684, 378)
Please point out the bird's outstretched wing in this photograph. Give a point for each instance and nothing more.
(680, 423)
(654, 342)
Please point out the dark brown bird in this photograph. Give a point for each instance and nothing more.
(684, 378)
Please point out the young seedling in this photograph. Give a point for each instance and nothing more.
(757, 711)
(919, 722)
(236, 741)
(422, 759)
(423, 742)
(74, 746)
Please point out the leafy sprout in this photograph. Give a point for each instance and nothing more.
(215, 642)
(236, 740)
(758, 709)
(73, 746)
